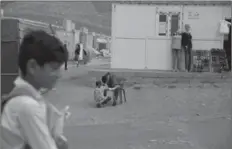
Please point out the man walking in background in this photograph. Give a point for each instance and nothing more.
(66, 62)
(77, 54)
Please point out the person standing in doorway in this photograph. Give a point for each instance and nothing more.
(186, 44)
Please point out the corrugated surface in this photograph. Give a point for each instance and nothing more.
(13, 31)
(171, 2)
(9, 53)
(9, 29)
(10, 45)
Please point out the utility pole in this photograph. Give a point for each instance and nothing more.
(52, 30)
(231, 38)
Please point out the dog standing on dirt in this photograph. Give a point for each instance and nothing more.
(111, 81)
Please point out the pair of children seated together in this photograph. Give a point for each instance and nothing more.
(100, 93)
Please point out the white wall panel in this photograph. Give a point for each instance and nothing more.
(128, 54)
(158, 54)
(134, 21)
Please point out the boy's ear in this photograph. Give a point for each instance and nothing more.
(32, 65)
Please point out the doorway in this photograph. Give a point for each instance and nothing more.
(158, 49)
(227, 45)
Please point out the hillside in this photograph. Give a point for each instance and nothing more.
(96, 16)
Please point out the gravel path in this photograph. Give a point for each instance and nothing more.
(157, 116)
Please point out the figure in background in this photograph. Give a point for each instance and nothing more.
(66, 62)
(77, 54)
(227, 44)
(176, 52)
(186, 44)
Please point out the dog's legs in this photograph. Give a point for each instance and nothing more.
(115, 97)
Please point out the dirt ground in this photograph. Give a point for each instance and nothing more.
(156, 116)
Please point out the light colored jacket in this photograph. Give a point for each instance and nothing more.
(99, 94)
(28, 119)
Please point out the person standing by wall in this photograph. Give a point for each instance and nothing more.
(186, 44)
(176, 52)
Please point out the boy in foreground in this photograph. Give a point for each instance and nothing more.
(25, 113)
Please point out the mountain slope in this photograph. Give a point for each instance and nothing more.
(96, 16)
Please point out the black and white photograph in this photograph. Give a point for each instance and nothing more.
(135, 74)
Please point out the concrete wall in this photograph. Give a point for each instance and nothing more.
(89, 40)
(95, 44)
(69, 39)
(77, 36)
(83, 36)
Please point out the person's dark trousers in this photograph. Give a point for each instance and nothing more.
(176, 56)
(77, 59)
(66, 65)
(188, 58)
(102, 103)
(228, 55)
(106, 100)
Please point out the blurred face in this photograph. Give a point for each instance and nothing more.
(99, 84)
(45, 76)
(187, 27)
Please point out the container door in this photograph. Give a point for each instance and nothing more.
(158, 50)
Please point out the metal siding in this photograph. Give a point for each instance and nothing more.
(205, 27)
(7, 83)
(129, 54)
(12, 33)
(139, 25)
(9, 53)
(158, 54)
(171, 2)
(9, 29)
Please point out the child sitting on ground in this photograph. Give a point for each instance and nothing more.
(99, 96)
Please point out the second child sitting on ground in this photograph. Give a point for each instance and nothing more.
(99, 96)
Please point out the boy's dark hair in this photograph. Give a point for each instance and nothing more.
(104, 79)
(98, 83)
(42, 47)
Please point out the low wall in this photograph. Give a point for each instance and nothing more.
(207, 76)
